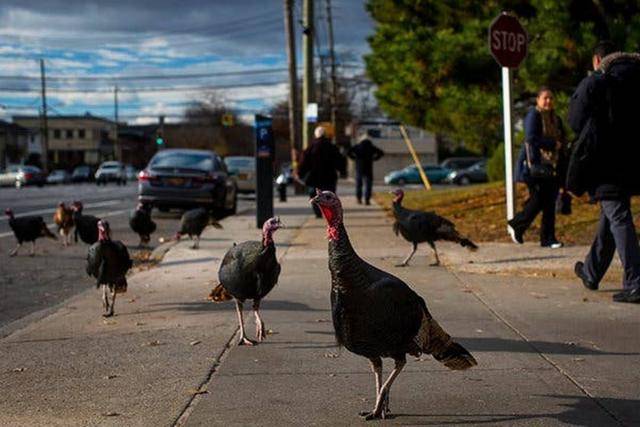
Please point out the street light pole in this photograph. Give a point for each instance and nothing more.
(307, 78)
(44, 125)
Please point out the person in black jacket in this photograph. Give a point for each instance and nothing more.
(364, 153)
(542, 148)
(320, 164)
(604, 109)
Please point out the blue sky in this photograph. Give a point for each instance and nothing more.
(86, 45)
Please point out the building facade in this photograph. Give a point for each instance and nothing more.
(15, 143)
(74, 140)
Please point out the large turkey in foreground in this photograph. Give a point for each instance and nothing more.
(193, 223)
(141, 223)
(86, 225)
(418, 227)
(249, 271)
(63, 218)
(27, 229)
(108, 261)
(377, 315)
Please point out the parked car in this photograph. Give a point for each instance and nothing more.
(30, 175)
(131, 172)
(9, 175)
(458, 163)
(410, 175)
(111, 171)
(183, 178)
(243, 168)
(81, 174)
(474, 173)
(59, 176)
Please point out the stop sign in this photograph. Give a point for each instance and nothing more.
(507, 40)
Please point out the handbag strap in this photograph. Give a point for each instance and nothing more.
(527, 146)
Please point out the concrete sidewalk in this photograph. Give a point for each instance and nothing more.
(549, 352)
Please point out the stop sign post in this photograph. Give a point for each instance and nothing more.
(508, 44)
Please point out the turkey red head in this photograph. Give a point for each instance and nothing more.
(269, 227)
(331, 209)
(398, 195)
(104, 231)
(9, 212)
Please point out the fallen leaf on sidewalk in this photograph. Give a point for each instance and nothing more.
(195, 392)
(109, 322)
(331, 355)
(111, 414)
(18, 370)
(578, 359)
(132, 300)
(196, 342)
(538, 295)
(152, 344)
(479, 331)
(322, 320)
(140, 323)
(271, 332)
(110, 377)
(570, 343)
(332, 375)
(188, 278)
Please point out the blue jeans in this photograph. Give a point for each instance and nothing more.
(367, 180)
(615, 231)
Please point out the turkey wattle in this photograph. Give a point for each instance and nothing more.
(27, 229)
(249, 270)
(418, 227)
(108, 261)
(377, 315)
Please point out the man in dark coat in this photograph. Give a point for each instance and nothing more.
(320, 164)
(604, 109)
(364, 153)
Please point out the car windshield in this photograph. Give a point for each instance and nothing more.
(30, 169)
(183, 160)
(57, 172)
(109, 166)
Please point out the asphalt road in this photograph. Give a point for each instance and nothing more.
(30, 284)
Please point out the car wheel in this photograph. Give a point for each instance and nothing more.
(464, 180)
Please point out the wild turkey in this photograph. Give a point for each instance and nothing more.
(86, 225)
(108, 261)
(27, 229)
(63, 218)
(249, 271)
(141, 223)
(193, 222)
(377, 315)
(418, 226)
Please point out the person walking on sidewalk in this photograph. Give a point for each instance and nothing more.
(321, 162)
(538, 169)
(603, 112)
(364, 153)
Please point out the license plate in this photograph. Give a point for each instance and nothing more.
(176, 182)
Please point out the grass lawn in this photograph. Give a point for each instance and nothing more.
(479, 212)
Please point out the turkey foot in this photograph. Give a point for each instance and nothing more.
(260, 332)
(405, 262)
(246, 341)
(383, 412)
(435, 264)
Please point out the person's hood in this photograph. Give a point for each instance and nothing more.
(618, 58)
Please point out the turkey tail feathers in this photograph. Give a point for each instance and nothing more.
(456, 357)
(47, 233)
(215, 224)
(468, 244)
(219, 294)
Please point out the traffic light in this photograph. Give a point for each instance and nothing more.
(159, 139)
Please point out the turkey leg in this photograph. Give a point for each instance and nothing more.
(15, 251)
(243, 337)
(33, 248)
(382, 402)
(435, 251)
(196, 242)
(408, 258)
(376, 367)
(105, 300)
(113, 301)
(260, 332)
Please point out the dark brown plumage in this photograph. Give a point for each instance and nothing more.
(63, 218)
(86, 225)
(193, 223)
(27, 229)
(418, 227)
(141, 223)
(377, 315)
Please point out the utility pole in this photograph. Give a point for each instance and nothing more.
(44, 125)
(294, 117)
(334, 83)
(307, 59)
(118, 153)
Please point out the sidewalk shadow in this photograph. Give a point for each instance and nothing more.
(519, 259)
(577, 411)
(189, 261)
(546, 347)
(208, 306)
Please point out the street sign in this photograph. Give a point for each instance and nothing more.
(312, 112)
(508, 40)
(265, 153)
(508, 45)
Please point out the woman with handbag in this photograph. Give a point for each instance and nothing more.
(538, 168)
